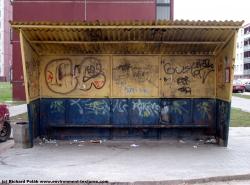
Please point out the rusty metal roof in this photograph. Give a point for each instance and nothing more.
(128, 37)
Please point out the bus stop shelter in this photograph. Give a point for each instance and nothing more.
(128, 79)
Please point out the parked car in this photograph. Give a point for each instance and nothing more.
(238, 86)
(247, 86)
(5, 128)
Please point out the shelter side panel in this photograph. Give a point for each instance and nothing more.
(75, 76)
(224, 65)
(135, 76)
(187, 77)
(32, 71)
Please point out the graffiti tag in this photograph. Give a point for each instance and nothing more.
(62, 76)
(146, 109)
(199, 69)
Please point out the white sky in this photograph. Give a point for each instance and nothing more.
(212, 10)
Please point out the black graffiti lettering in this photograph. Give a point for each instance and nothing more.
(140, 74)
(66, 76)
(77, 70)
(184, 89)
(183, 80)
(199, 69)
(165, 79)
(134, 72)
(169, 69)
(184, 83)
(124, 67)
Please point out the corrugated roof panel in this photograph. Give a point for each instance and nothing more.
(137, 23)
(128, 37)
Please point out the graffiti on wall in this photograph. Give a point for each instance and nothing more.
(146, 109)
(206, 110)
(120, 106)
(183, 75)
(64, 76)
(57, 106)
(199, 69)
(184, 84)
(97, 107)
(32, 68)
(131, 76)
(135, 76)
(224, 110)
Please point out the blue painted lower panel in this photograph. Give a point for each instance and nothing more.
(204, 112)
(223, 120)
(34, 118)
(144, 111)
(120, 111)
(63, 118)
(87, 111)
(176, 111)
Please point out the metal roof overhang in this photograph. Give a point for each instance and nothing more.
(128, 37)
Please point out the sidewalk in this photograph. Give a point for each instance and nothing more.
(129, 161)
(241, 103)
(17, 109)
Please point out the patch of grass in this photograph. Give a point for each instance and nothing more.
(5, 91)
(239, 118)
(241, 95)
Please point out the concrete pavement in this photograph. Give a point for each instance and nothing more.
(129, 161)
(17, 109)
(241, 103)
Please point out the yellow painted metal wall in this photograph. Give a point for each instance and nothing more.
(75, 76)
(184, 77)
(123, 76)
(135, 76)
(224, 67)
(31, 70)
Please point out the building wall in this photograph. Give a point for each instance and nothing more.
(7, 40)
(247, 51)
(74, 10)
(1, 40)
(5, 45)
(239, 64)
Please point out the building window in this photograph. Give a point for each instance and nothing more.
(162, 9)
(246, 30)
(246, 54)
(246, 66)
(247, 42)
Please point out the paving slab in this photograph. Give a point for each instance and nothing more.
(128, 161)
(241, 103)
(17, 109)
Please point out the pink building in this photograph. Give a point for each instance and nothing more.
(5, 40)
